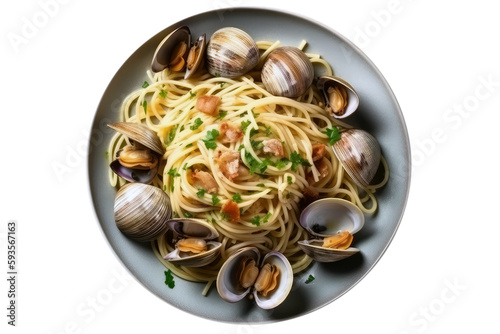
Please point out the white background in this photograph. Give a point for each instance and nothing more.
(440, 272)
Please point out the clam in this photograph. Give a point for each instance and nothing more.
(138, 161)
(341, 100)
(197, 245)
(359, 153)
(175, 52)
(287, 72)
(269, 280)
(179, 41)
(231, 52)
(141, 211)
(332, 222)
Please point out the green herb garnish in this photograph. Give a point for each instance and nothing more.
(163, 93)
(289, 179)
(201, 192)
(222, 114)
(266, 217)
(257, 144)
(297, 160)
(237, 198)
(268, 131)
(215, 199)
(145, 84)
(244, 125)
(145, 106)
(241, 147)
(310, 279)
(173, 172)
(171, 135)
(185, 165)
(169, 279)
(333, 134)
(281, 163)
(255, 220)
(210, 139)
(217, 75)
(254, 165)
(222, 84)
(188, 214)
(193, 94)
(189, 145)
(225, 216)
(197, 123)
(260, 185)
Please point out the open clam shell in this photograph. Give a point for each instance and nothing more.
(141, 211)
(227, 282)
(359, 153)
(327, 217)
(285, 281)
(134, 175)
(352, 98)
(163, 52)
(231, 290)
(197, 51)
(141, 134)
(194, 228)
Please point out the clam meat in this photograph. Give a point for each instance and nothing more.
(341, 100)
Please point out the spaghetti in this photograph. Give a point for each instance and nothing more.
(267, 190)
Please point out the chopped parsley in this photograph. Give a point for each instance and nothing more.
(297, 160)
(145, 84)
(254, 165)
(225, 216)
(210, 139)
(261, 185)
(145, 106)
(255, 115)
(173, 172)
(268, 131)
(215, 199)
(169, 279)
(333, 134)
(222, 114)
(241, 147)
(182, 128)
(197, 123)
(189, 145)
(310, 279)
(188, 214)
(193, 94)
(171, 135)
(163, 93)
(281, 163)
(217, 75)
(257, 144)
(244, 125)
(201, 192)
(185, 167)
(289, 179)
(222, 84)
(266, 217)
(255, 220)
(237, 198)
(106, 154)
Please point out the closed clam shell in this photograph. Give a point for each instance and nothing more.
(287, 72)
(141, 211)
(141, 134)
(231, 52)
(359, 153)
